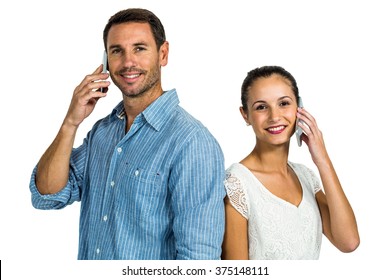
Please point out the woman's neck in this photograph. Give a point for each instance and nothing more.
(267, 158)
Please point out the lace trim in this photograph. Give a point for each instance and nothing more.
(236, 194)
(311, 177)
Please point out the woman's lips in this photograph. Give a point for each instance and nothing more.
(276, 129)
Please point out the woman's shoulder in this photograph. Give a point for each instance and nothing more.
(236, 166)
(233, 171)
(236, 170)
(299, 167)
(236, 176)
(306, 173)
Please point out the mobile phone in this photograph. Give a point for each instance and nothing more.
(298, 129)
(105, 65)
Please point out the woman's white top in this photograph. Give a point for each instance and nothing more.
(277, 229)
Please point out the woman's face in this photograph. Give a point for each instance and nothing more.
(272, 109)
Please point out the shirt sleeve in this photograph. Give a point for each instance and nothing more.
(310, 176)
(236, 194)
(71, 192)
(196, 185)
(315, 182)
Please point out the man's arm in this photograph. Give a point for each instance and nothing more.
(53, 167)
(198, 199)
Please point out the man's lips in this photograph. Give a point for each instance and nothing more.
(276, 129)
(131, 76)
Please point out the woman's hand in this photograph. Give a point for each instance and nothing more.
(312, 136)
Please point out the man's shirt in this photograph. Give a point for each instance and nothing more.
(155, 192)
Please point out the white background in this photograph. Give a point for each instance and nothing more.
(338, 52)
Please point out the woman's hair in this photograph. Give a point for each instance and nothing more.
(265, 72)
(141, 16)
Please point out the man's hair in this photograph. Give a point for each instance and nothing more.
(137, 15)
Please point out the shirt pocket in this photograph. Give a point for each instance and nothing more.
(143, 193)
(143, 181)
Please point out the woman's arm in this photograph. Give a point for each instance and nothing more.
(235, 244)
(338, 219)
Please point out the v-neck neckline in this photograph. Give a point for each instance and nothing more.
(273, 195)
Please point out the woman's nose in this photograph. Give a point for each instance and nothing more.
(274, 115)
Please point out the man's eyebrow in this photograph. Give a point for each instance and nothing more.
(115, 47)
(118, 46)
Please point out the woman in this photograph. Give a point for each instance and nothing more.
(276, 209)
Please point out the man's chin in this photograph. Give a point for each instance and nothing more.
(132, 93)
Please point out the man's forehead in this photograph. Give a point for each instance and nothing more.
(134, 32)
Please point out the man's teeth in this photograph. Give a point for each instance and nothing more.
(131, 76)
(276, 128)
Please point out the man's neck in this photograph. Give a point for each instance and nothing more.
(136, 105)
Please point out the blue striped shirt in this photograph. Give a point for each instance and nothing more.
(155, 192)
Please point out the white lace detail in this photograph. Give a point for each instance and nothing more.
(277, 229)
(313, 179)
(236, 194)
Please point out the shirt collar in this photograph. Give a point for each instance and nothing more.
(118, 111)
(157, 113)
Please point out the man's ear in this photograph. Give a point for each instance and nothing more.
(163, 53)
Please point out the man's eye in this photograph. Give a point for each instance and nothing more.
(138, 49)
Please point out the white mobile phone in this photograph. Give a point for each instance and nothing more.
(298, 129)
(105, 63)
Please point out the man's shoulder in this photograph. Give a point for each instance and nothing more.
(187, 122)
(183, 116)
(186, 128)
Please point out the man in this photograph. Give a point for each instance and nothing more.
(149, 176)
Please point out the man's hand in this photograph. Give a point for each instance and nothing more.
(85, 97)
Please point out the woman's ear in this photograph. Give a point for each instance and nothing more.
(244, 115)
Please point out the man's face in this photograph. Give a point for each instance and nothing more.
(134, 61)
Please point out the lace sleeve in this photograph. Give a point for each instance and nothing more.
(314, 180)
(236, 194)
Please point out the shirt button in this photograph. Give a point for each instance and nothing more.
(97, 251)
(119, 150)
(136, 173)
(105, 218)
(112, 183)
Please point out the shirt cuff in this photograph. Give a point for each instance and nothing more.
(49, 201)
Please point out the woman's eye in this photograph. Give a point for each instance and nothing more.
(261, 107)
(284, 103)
